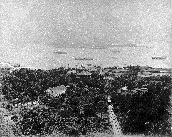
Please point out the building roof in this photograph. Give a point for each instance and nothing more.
(109, 78)
(84, 73)
(124, 88)
(56, 91)
(71, 71)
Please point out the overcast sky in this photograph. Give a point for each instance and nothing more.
(31, 30)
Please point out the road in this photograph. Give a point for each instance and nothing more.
(113, 119)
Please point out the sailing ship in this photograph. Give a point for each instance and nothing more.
(86, 58)
(159, 57)
(60, 52)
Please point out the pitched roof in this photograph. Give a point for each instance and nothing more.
(56, 91)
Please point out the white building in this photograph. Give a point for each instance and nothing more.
(56, 91)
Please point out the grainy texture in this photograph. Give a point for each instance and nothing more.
(85, 100)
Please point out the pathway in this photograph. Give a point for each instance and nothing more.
(113, 120)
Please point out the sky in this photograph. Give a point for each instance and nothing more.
(32, 30)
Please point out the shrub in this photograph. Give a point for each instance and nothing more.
(136, 109)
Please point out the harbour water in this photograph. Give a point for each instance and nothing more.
(46, 57)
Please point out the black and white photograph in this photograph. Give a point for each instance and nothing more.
(85, 68)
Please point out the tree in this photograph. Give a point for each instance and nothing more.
(24, 83)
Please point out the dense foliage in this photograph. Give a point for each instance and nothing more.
(143, 112)
(81, 102)
(81, 108)
(27, 84)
